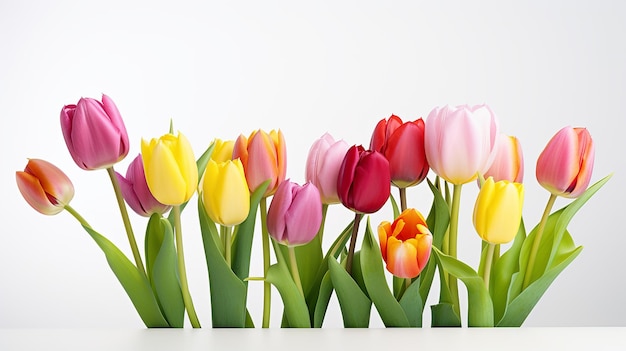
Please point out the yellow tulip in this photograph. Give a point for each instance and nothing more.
(224, 192)
(498, 210)
(223, 150)
(170, 168)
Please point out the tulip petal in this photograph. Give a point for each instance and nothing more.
(371, 184)
(164, 177)
(402, 259)
(279, 206)
(304, 216)
(33, 193)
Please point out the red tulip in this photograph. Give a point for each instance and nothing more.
(403, 146)
(564, 167)
(44, 186)
(364, 181)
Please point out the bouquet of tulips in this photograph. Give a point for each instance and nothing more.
(236, 179)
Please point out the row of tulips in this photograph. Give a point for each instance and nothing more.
(235, 179)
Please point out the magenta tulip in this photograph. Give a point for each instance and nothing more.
(323, 164)
(136, 192)
(364, 181)
(44, 186)
(295, 214)
(403, 146)
(94, 133)
(460, 141)
(508, 163)
(564, 167)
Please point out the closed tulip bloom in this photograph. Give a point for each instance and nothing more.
(44, 186)
(136, 192)
(323, 164)
(170, 168)
(460, 141)
(264, 157)
(295, 214)
(405, 244)
(508, 163)
(403, 146)
(364, 182)
(224, 192)
(498, 210)
(222, 150)
(94, 133)
(564, 167)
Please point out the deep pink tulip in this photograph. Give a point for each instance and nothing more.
(364, 181)
(94, 133)
(564, 167)
(295, 214)
(44, 186)
(264, 157)
(460, 141)
(508, 163)
(136, 192)
(403, 146)
(323, 164)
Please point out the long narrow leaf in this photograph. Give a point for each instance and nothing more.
(503, 271)
(325, 292)
(412, 304)
(355, 305)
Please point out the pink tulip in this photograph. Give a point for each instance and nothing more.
(295, 214)
(403, 146)
(94, 133)
(323, 164)
(508, 163)
(44, 186)
(136, 192)
(565, 165)
(460, 141)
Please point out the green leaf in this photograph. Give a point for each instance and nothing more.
(325, 291)
(502, 274)
(387, 306)
(394, 206)
(411, 303)
(134, 283)
(164, 272)
(355, 305)
(443, 315)
(228, 292)
(480, 307)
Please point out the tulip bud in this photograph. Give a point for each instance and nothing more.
(364, 182)
(222, 150)
(564, 167)
(460, 141)
(295, 214)
(224, 192)
(508, 163)
(170, 168)
(498, 210)
(323, 164)
(44, 186)
(403, 146)
(405, 244)
(136, 192)
(94, 133)
(264, 157)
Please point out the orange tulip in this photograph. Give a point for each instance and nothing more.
(44, 186)
(405, 244)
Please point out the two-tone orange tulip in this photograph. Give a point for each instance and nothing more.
(405, 244)
(264, 157)
(44, 186)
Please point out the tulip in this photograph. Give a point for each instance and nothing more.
(264, 157)
(498, 210)
(323, 164)
(508, 163)
(136, 192)
(403, 146)
(363, 183)
(94, 133)
(405, 244)
(224, 192)
(460, 141)
(170, 168)
(295, 214)
(565, 165)
(44, 186)
(222, 150)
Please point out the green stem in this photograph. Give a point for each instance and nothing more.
(182, 272)
(227, 241)
(127, 226)
(76, 215)
(320, 232)
(402, 199)
(452, 243)
(293, 263)
(537, 241)
(267, 288)
(355, 232)
(488, 263)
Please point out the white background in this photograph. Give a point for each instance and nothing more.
(219, 69)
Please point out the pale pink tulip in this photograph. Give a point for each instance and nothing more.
(508, 163)
(323, 164)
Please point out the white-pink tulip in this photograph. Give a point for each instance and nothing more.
(323, 164)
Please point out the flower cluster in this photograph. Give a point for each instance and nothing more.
(235, 179)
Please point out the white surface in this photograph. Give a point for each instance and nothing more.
(224, 68)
